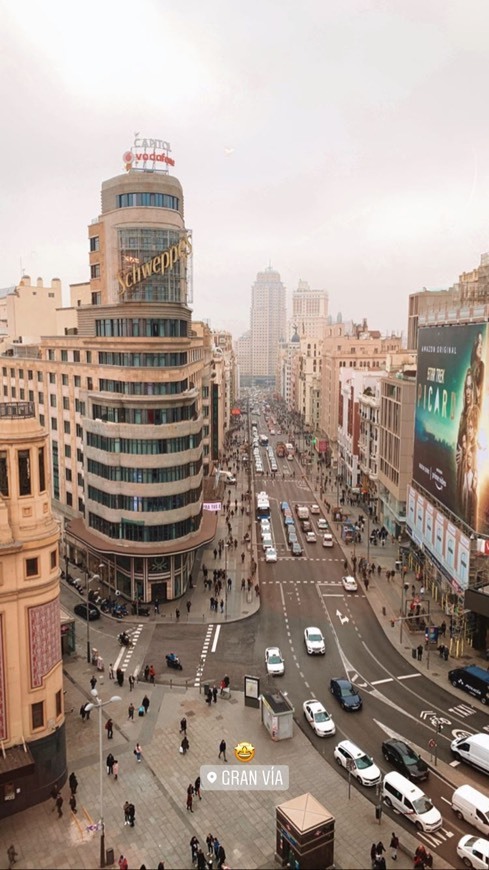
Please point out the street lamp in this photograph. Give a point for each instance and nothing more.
(98, 703)
(89, 580)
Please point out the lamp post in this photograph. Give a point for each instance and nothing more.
(99, 704)
(226, 545)
(89, 580)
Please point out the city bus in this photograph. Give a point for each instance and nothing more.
(262, 506)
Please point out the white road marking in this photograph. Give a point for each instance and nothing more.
(200, 668)
(408, 676)
(378, 682)
(216, 638)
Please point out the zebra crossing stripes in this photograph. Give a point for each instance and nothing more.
(203, 655)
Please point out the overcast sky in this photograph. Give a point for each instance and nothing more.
(343, 141)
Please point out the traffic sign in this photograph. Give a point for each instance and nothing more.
(432, 743)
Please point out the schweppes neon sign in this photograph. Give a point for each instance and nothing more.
(158, 265)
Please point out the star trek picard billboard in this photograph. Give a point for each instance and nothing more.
(451, 457)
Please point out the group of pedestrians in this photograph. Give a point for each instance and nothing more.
(193, 790)
(215, 855)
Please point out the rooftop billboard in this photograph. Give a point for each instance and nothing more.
(451, 459)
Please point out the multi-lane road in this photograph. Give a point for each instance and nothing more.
(300, 591)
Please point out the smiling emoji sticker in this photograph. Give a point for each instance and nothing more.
(244, 752)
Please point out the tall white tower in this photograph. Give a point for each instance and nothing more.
(268, 326)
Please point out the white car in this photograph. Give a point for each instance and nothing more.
(315, 509)
(322, 524)
(314, 641)
(274, 661)
(360, 765)
(328, 540)
(319, 719)
(266, 528)
(474, 851)
(349, 584)
(311, 538)
(266, 541)
(270, 554)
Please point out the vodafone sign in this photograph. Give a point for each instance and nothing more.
(146, 154)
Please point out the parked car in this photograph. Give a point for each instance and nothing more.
(274, 661)
(319, 719)
(405, 759)
(349, 584)
(314, 641)
(474, 851)
(345, 692)
(360, 765)
(81, 610)
(296, 549)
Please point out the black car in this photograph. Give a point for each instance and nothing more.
(81, 610)
(346, 694)
(405, 759)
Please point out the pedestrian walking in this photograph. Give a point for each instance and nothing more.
(131, 682)
(130, 711)
(194, 845)
(443, 628)
(222, 749)
(131, 812)
(184, 745)
(152, 674)
(420, 652)
(110, 763)
(183, 726)
(201, 862)
(111, 671)
(189, 605)
(210, 844)
(138, 752)
(120, 676)
(177, 614)
(214, 694)
(197, 788)
(146, 673)
(221, 856)
(145, 704)
(109, 727)
(73, 803)
(190, 792)
(394, 845)
(243, 557)
(59, 804)
(126, 812)
(123, 865)
(73, 782)
(93, 681)
(115, 769)
(379, 849)
(12, 856)
(373, 853)
(366, 582)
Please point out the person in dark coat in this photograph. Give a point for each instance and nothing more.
(110, 763)
(109, 727)
(73, 783)
(73, 803)
(145, 703)
(120, 676)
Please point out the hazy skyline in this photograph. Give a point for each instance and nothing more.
(344, 143)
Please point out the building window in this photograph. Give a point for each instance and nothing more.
(52, 400)
(77, 381)
(54, 558)
(42, 471)
(67, 451)
(68, 474)
(54, 424)
(40, 398)
(42, 419)
(69, 499)
(39, 377)
(37, 715)
(24, 462)
(52, 378)
(5, 392)
(64, 380)
(66, 427)
(95, 270)
(76, 356)
(95, 243)
(89, 384)
(21, 394)
(51, 355)
(32, 567)
(31, 395)
(30, 374)
(96, 298)
(64, 356)
(59, 704)
(89, 356)
(66, 403)
(14, 394)
(4, 472)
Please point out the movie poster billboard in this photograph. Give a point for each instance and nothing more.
(451, 456)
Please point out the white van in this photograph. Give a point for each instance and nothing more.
(473, 806)
(474, 852)
(474, 749)
(328, 539)
(405, 797)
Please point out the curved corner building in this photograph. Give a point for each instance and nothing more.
(140, 413)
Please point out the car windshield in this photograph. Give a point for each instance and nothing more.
(321, 716)
(315, 638)
(347, 691)
(363, 762)
(408, 756)
(422, 805)
(274, 659)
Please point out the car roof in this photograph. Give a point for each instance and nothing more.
(273, 649)
(313, 628)
(352, 748)
(398, 744)
(343, 682)
(313, 702)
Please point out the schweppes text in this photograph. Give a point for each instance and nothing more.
(158, 265)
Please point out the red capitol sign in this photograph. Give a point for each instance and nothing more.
(147, 151)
